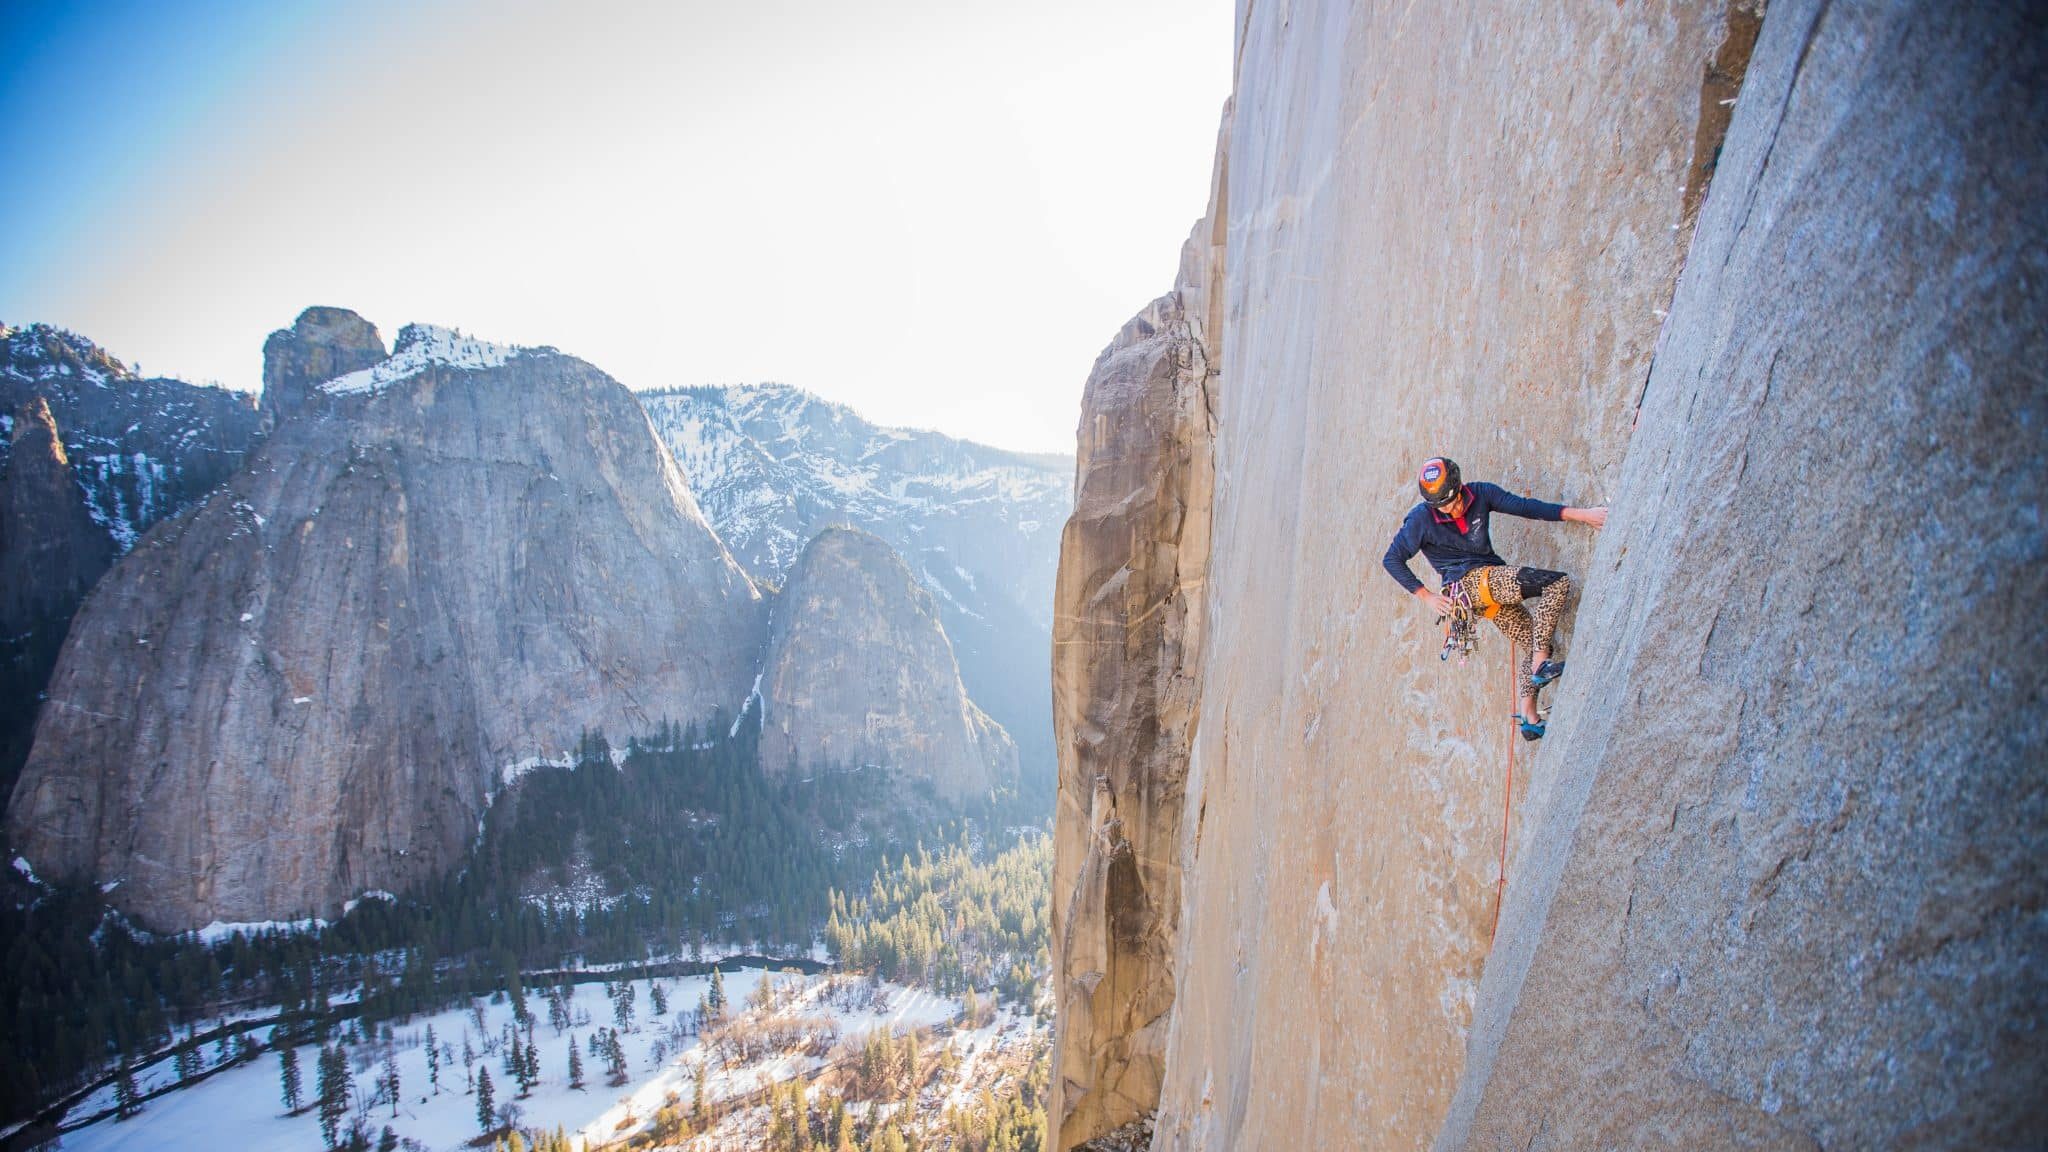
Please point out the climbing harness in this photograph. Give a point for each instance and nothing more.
(1461, 631)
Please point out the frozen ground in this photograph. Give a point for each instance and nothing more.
(242, 1107)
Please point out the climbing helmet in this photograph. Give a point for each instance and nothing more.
(1439, 481)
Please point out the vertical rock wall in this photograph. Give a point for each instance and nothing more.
(1790, 894)
(51, 552)
(1125, 644)
(1773, 877)
(1448, 229)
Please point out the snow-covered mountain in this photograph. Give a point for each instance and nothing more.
(141, 448)
(772, 465)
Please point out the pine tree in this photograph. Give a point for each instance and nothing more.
(524, 1070)
(715, 999)
(390, 1084)
(335, 1087)
(288, 1072)
(486, 1115)
(433, 1062)
(660, 999)
(127, 1099)
(614, 1059)
(575, 1067)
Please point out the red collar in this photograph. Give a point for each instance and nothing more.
(1458, 519)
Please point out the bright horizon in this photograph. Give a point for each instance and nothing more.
(935, 216)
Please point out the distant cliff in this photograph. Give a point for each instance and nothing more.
(441, 562)
(94, 455)
(444, 563)
(861, 678)
(1769, 285)
(772, 466)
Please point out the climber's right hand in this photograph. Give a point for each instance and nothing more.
(1437, 601)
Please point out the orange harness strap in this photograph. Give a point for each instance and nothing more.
(1483, 601)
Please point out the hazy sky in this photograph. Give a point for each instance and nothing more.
(933, 210)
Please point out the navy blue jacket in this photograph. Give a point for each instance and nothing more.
(1451, 552)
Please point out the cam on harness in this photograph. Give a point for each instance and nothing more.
(1461, 632)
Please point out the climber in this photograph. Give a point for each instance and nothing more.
(1449, 528)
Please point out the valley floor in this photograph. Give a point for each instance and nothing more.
(809, 1026)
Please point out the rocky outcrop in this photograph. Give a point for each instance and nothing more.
(436, 566)
(1124, 657)
(321, 344)
(1764, 886)
(861, 676)
(51, 551)
(773, 465)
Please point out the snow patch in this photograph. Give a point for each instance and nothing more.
(221, 930)
(419, 347)
(349, 906)
(753, 699)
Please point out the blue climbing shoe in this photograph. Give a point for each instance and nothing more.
(1529, 731)
(1546, 673)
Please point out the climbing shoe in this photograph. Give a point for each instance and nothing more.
(1546, 673)
(1529, 731)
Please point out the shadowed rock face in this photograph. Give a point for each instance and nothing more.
(1773, 877)
(860, 676)
(106, 454)
(51, 551)
(306, 687)
(142, 448)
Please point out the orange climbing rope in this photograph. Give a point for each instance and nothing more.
(1500, 886)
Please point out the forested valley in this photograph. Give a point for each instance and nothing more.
(673, 848)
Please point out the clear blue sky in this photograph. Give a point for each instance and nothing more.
(935, 211)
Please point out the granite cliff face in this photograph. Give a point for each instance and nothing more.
(979, 527)
(95, 455)
(439, 564)
(861, 677)
(1124, 660)
(1771, 878)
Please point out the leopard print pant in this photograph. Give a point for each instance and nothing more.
(1531, 603)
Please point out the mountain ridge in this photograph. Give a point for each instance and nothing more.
(405, 589)
(773, 465)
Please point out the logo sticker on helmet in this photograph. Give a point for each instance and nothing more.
(1432, 473)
